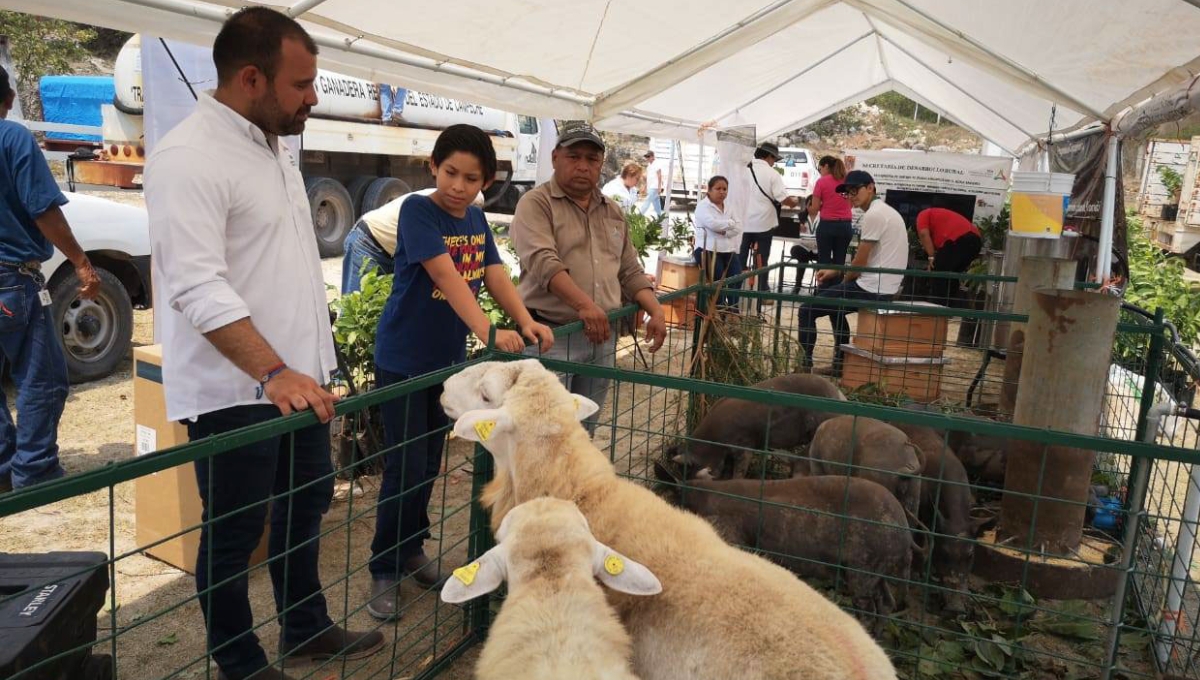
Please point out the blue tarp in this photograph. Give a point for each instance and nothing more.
(75, 100)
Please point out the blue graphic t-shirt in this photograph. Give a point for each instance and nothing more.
(419, 331)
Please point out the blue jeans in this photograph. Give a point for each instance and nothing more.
(652, 202)
(414, 432)
(726, 265)
(811, 311)
(29, 450)
(391, 101)
(361, 250)
(295, 468)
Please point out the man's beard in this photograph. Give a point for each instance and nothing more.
(273, 120)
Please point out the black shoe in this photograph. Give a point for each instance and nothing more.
(335, 642)
(385, 599)
(423, 570)
(5, 485)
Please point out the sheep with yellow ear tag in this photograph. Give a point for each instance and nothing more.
(555, 622)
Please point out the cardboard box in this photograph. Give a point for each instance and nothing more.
(898, 333)
(676, 273)
(920, 378)
(167, 502)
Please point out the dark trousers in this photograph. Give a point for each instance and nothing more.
(953, 256)
(811, 311)
(722, 265)
(414, 432)
(234, 486)
(833, 241)
(29, 449)
(763, 242)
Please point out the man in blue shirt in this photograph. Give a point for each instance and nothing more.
(31, 225)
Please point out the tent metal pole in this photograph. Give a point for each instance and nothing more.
(954, 85)
(1108, 215)
(219, 14)
(764, 23)
(302, 7)
(971, 49)
(791, 78)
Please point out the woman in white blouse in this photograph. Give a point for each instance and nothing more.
(718, 237)
(623, 188)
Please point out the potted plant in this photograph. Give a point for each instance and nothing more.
(1173, 182)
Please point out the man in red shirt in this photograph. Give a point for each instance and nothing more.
(952, 243)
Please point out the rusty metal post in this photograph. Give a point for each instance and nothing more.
(1036, 273)
(1068, 348)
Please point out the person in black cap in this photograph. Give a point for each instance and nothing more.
(883, 244)
(766, 200)
(577, 260)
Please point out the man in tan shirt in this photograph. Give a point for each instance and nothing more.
(577, 259)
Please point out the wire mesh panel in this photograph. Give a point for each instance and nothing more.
(151, 624)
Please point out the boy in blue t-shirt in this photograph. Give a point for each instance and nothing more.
(444, 253)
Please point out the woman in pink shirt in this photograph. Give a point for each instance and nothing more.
(834, 230)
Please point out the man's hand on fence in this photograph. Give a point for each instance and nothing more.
(539, 333)
(656, 330)
(595, 323)
(292, 391)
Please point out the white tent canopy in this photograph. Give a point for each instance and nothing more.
(665, 67)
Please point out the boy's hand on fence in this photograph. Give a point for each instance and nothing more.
(595, 323)
(656, 330)
(292, 392)
(539, 334)
(510, 341)
(825, 274)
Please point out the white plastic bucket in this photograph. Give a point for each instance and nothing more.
(1039, 203)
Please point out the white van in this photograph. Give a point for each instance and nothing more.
(799, 169)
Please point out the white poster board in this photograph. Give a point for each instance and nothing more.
(985, 177)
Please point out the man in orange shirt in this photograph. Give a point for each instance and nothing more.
(952, 244)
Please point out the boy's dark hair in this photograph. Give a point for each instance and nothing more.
(467, 139)
(254, 37)
(712, 181)
(6, 90)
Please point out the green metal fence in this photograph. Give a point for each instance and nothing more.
(152, 626)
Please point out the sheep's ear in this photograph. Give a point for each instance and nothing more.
(477, 578)
(584, 407)
(482, 425)
(623, 574)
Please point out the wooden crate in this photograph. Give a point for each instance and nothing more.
(896, 333)
(919, 378)
(676, 272)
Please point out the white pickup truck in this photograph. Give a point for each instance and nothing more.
(799, 169)
(96, 334)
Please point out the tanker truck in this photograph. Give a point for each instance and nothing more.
(352, 162)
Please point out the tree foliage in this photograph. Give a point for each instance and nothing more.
(41, 46)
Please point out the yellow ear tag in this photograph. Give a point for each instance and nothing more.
(614, 565)
(467, 574)
(484, 428)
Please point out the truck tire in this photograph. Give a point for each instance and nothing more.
(383, 190)
(358, 188)
(332, 213)
(95, 334)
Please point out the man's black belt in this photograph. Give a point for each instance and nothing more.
(362, 226)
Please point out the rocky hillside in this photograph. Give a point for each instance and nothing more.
(885, 122)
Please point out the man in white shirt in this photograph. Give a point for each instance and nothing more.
(883, 244)
(246, 337)
(656, 179)
(767, 195)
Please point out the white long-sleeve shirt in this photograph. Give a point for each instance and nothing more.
(760, 213)
(716, 230)
(625, 196)
(231, 237)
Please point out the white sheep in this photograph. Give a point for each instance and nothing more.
(723, 613)
(555, 622)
